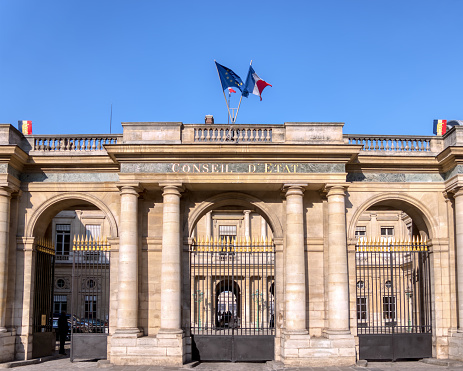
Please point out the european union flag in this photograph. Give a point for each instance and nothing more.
(228, 78)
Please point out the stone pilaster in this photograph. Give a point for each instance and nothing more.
(459, 253)
(456, 340)
(247, 223)
(5, 196)
(209, 224)
(127, 313)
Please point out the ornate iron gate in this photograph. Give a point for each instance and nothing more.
(232, 300)
(90, 298)
(44, 338)
(393, 299)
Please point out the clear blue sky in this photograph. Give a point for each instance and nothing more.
(379, 66)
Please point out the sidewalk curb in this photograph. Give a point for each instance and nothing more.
(29, 361)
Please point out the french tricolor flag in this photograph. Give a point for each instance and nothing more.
(254, 84)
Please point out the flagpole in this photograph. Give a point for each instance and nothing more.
(229, 95)
(250, 64)
(223, 91)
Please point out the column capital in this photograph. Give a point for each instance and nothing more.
(335, 190)
(247, 211)
(129, 188)
(172, 188)
(291, 189)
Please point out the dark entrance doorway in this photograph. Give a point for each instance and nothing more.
(232, 300)
(393, 299)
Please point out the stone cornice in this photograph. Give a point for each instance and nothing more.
(341, 153)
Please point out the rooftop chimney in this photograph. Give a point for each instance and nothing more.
(209, 120)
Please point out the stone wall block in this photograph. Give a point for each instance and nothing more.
(318, 352)
(148, 341)
(147, 351)
(118, 351)
(320, 343)
(174, 352)
(289, 353)
(123, 342)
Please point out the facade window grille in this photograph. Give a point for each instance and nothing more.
(63, 239)
(389, 307)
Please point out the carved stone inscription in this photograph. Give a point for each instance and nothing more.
(247, 168)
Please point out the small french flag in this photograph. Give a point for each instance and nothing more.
(254, 84)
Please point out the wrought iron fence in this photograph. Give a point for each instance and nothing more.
(232, 286)
(43, 293)
(393, 286)
(90, 285)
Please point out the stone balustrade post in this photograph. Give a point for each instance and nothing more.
(338, 278)
(295, 280)
(171, 259)
(5, 196)
(127, 312)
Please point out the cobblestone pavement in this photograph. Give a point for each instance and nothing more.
(64, 364)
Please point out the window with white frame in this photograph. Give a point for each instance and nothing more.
(62, 239)
(389, 307)
(360, 231)
(387, 231)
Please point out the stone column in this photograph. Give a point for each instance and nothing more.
(459, 242)
(263, 228)
(295, 280)
(127, 312)
(338, 293)
(247, 223)
(208, 224)
(171, 260)
(5, 196)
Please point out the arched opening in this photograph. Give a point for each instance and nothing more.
(70, 278)
(232, 265)
(393, 272)
(227, 304)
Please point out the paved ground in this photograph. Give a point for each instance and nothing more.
(64, 364)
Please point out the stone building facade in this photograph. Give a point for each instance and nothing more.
(307, 189)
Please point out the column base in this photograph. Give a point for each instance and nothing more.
(167, 348)
(302, 350)
(7, 346)
(128, 331)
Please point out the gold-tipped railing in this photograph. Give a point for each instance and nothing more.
(45, 245)
(379, 244)
(241, 244)
(86, 243)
